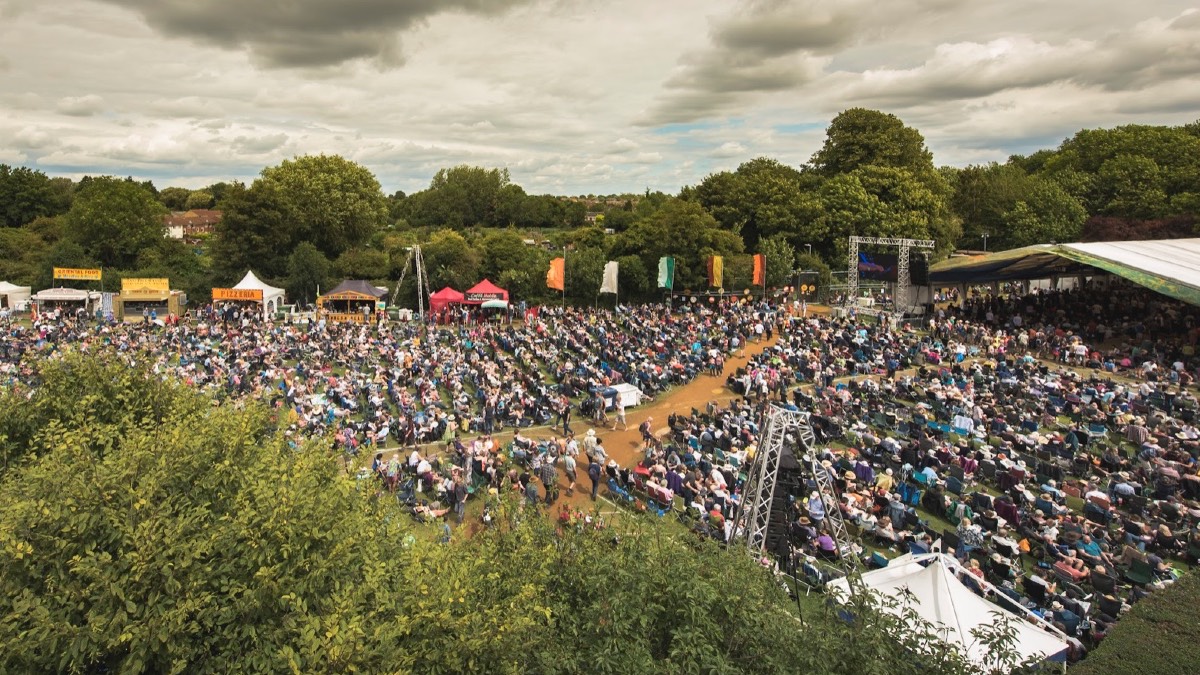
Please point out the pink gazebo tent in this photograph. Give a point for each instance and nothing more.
(438, 302)
(483, 292)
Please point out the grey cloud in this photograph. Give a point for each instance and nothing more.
(771, 34)
(303, 33)
(256, 145)
(80, 106)
(1142, 56)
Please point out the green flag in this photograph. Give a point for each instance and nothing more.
(666, 272)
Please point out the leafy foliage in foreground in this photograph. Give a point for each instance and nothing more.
(201, 543)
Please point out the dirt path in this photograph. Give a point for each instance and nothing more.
(625, 446)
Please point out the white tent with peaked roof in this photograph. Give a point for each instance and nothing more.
(932, 587)
(272, 297)
(14, 296)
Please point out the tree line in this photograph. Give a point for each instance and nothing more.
(313, 220)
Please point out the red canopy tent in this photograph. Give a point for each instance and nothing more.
(484, 291)
(443, 298)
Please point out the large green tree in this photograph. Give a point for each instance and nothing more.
(26, 194)
(255, 232)
(328, 200)
(113, 219)
(761, 198)
(860, 137)
(465, 196)
(307, 273)
(682, 229)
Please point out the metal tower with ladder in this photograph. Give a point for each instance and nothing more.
(783, 428)
(417, 261)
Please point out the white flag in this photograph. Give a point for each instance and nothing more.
(609, 285)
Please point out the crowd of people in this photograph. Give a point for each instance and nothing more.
(1048, 440)
(1064, 479)
(375, 385)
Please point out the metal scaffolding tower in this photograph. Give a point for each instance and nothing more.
(903, 278)
(416, 260)
(781, 428)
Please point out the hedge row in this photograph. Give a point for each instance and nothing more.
(1159, 636)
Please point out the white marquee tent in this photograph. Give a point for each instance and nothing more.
(13, 296)
(272, 297)
(940, 598)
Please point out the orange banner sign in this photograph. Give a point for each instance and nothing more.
(254, 294)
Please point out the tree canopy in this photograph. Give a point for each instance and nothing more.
(114, 219)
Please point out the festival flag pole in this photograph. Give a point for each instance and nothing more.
(564, 286)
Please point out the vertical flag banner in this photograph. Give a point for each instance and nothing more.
(716, 271)
(556, 277)
(760, 270)
(666, 272)
(609, 285)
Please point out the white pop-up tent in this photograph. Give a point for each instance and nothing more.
(13, 296)
(272, 298)
(930, 583)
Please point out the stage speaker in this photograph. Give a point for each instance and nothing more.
(918, 271)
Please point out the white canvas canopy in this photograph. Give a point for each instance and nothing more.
(272, 297)
(940, 598)
(67, 295)
(14, 296)
(628, 394)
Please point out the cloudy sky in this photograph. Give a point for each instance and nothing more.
(572, 96)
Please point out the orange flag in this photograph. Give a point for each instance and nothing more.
(556, 277)
(760, 270)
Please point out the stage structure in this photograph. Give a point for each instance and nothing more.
(417, 261)
(782, 429)
(902, 294)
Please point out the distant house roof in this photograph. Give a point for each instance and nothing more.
(193, 218)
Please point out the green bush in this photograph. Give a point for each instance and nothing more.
(1159, 636)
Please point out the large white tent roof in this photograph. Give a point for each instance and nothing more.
(937, 596)
(250, 282)
(1168, 266)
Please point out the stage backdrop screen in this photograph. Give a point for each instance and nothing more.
(877, 266)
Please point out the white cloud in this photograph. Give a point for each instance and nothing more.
(80, 106)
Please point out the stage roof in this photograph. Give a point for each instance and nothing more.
(1168, 266)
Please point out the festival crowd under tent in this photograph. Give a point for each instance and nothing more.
(151, 295)
(270, 297)
(13, 296)
(440, 301)
(352, 300)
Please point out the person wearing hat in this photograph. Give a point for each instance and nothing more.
(885, 481)
(595, 473)
(816, 509)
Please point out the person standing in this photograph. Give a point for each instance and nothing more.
(569, 468)
(460, 497)
(595, 472)
(564, 414)
(548, 474)
(620, 405)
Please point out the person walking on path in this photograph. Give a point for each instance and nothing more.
(620, 405)
(569, 468)
(595, 472)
